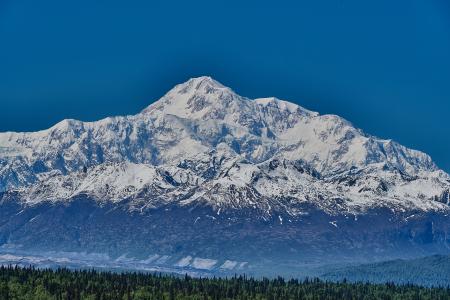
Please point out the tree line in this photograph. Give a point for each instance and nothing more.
(31, 283)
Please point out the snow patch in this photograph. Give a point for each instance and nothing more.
(203, 263)
(184, 262)
(229, 265)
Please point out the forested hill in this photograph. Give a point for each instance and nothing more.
(29, 283)
(428, 271)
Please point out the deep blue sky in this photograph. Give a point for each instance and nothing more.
(382, 64)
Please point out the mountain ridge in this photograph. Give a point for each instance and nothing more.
(206, 173)
(199, 115)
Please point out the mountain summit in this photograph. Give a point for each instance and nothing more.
(263, 168)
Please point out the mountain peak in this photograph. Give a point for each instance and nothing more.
(195, 98)
(199, 85)
(204, 97)
(205, 80)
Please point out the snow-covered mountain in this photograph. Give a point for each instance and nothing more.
(202, 139)
(203, 145)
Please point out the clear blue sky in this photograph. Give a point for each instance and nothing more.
(382, 64)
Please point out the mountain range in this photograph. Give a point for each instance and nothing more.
(205, 179)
